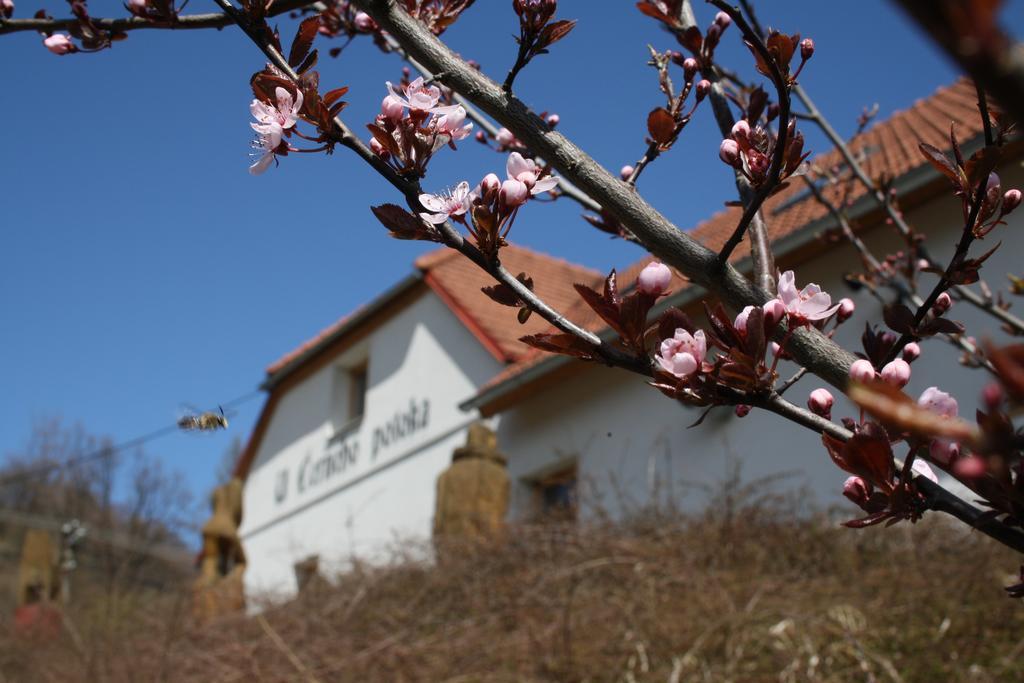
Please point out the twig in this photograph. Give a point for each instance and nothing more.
(779, 156)
(285, 650)
(186, 21)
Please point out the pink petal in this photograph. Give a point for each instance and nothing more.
(517, 164)
(262, 164)
(545, 185)
(432, 202)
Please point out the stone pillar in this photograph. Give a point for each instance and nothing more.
(219, 589)
(473, 493)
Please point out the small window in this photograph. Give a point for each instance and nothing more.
(357, 377)
(555, 494)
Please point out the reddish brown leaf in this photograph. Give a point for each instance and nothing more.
(332, 96)
(555, 31)
(608, 312)
(940, 161)
(902, 414)
(303, 40)
(661, 126)
(566, 344)
(403, 225)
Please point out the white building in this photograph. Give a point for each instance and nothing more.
(361, 419)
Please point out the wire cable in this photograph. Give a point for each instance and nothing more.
(111, 450)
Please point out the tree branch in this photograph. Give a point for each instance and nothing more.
(663, 239)
(186, 21)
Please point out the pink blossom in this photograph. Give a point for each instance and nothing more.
(440, 207)
(896, 373)
(971, 467)
(59, 44)
(364, 22)
(729, 152)
(138, 6)
(418, 95)
(846, 309)
(911, 352)
(553, 120)
(820, 402)
(654, 279)
(806, 49)
(1011, 200)
(923, 469)
(265, 144)
(690, 67)
(741, 319)
(939, 402)
(451, 122)
(505, 138)
(392, 108)
(809, 303)
(682, 354)
(272, 120)
(857, 490)
(513, 193)
(862, 371)
(942, 451)
(942, 303)
(741, 130)
(489, 186)
(625, 172)
(774, 312)
(525, 171)
(378, 149)
(6, 8)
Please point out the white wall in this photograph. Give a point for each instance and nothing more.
(632, 443)
(423, 354)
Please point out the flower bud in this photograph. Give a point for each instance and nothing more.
(714, 34)
(971, 467)
(59, 44)
(806, 49)
(513, 193)
(911, 352)
(923, 264)
(481, 136)
(138, 6)
(741, 319)
(378, 149)
(364, 22)
(489, 186)
(742, 410)
(741, 130)
(857, 490)
(6, 8)
(776, 349)
(774, 312)
(729, 152)
(888, 338)
(654, 279)
(846, 309)
(942, 304)
(391, 108)
(992, 396)
(1011, 200)
(625, 172)
(552, 120)
(505, 137)
(862, 371)
(703, 88)
(896, 373)
(723, 19)
(758, 163)
(690, 67)
(820, 403)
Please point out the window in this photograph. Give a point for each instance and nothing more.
(555, 494)
(357, 383)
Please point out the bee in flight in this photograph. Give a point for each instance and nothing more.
(205, 421)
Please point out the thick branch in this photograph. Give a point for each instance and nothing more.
(665, 240)
(186, 21)
(977, 44)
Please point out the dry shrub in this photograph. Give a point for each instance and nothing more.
(746, 592)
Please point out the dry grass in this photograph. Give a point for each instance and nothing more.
(752, 595)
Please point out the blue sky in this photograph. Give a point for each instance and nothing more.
(143, 269)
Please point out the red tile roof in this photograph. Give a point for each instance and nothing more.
(891, 150)
(458, 282)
